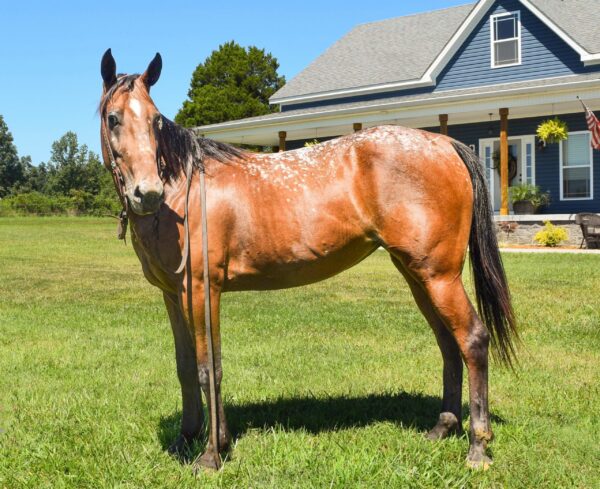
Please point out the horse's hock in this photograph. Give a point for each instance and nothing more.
(521, 229)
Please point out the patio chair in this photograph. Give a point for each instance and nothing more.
(590, 228)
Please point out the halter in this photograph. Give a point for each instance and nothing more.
(119, 181)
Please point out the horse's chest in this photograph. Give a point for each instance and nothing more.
(156, 256)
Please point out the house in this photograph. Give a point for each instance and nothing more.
(486, 74)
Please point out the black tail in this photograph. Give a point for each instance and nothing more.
(491, 288)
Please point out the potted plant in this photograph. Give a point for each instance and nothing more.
(527, 198)
(553, 131)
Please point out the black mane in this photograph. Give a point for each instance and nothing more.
(177, 145)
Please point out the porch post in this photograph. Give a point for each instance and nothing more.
(357, 126)
(444, 124)
(282, 136)
(504, 161)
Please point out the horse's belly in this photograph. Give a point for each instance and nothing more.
(297, 267)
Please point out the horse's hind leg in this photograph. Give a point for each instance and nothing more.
(445, 292)
(450, 419)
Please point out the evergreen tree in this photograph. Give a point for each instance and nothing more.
(232, 83)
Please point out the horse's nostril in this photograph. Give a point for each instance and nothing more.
(137, 193)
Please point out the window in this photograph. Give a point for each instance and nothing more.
(576, 160)
(506, 39)
(529, 163)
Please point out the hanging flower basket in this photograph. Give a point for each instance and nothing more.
(553, 131)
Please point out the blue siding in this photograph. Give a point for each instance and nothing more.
(547, 171)
(544, 54)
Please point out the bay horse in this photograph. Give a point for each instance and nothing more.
(294, 218)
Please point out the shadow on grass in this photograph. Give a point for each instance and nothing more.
(316, 415)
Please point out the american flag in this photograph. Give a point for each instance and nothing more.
(593, 125)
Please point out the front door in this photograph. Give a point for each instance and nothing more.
(521, 156)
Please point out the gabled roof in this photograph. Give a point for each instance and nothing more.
(409, 52)
(379, 53)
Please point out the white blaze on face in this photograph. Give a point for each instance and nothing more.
(142, 136)
(136, 107)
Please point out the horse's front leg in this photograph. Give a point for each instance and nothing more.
(192, 419)
(217, 429)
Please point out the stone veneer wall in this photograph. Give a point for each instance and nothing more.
(528, 226)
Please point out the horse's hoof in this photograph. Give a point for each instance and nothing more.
(209, 460)
(481, 462)
(447, 424)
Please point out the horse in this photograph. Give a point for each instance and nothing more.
(292, 218)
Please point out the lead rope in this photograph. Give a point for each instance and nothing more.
(185, 264)
(212, 387)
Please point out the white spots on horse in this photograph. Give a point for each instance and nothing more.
(292, 170)
(136, 107)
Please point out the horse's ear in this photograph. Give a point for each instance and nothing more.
(108, 68)
(152, 73)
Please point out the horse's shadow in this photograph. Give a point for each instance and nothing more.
(316, 415)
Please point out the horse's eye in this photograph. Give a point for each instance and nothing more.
(113, 121)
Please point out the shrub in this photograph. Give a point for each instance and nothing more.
(78, 202)
(551, 235)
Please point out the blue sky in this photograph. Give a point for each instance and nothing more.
(50, 51)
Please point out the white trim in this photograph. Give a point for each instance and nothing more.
(493, 41)
(430, 76)
(590, 166)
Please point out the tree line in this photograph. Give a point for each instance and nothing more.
(234, 82)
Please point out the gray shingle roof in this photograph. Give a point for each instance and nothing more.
(580, 19)
(384, 52)
(362, 57)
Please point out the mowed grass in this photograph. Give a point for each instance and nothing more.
(332, 385)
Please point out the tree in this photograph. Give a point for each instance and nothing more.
(232, 83)
(73, 167)
(11, 167)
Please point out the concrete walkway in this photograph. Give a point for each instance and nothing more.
(550, 250)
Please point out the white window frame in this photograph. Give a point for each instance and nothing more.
(493, 41)
(590, 166)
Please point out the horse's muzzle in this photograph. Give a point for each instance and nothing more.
(146, 199)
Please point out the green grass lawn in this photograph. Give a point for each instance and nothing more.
(331, 385)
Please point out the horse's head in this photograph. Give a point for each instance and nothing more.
(129, 129)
